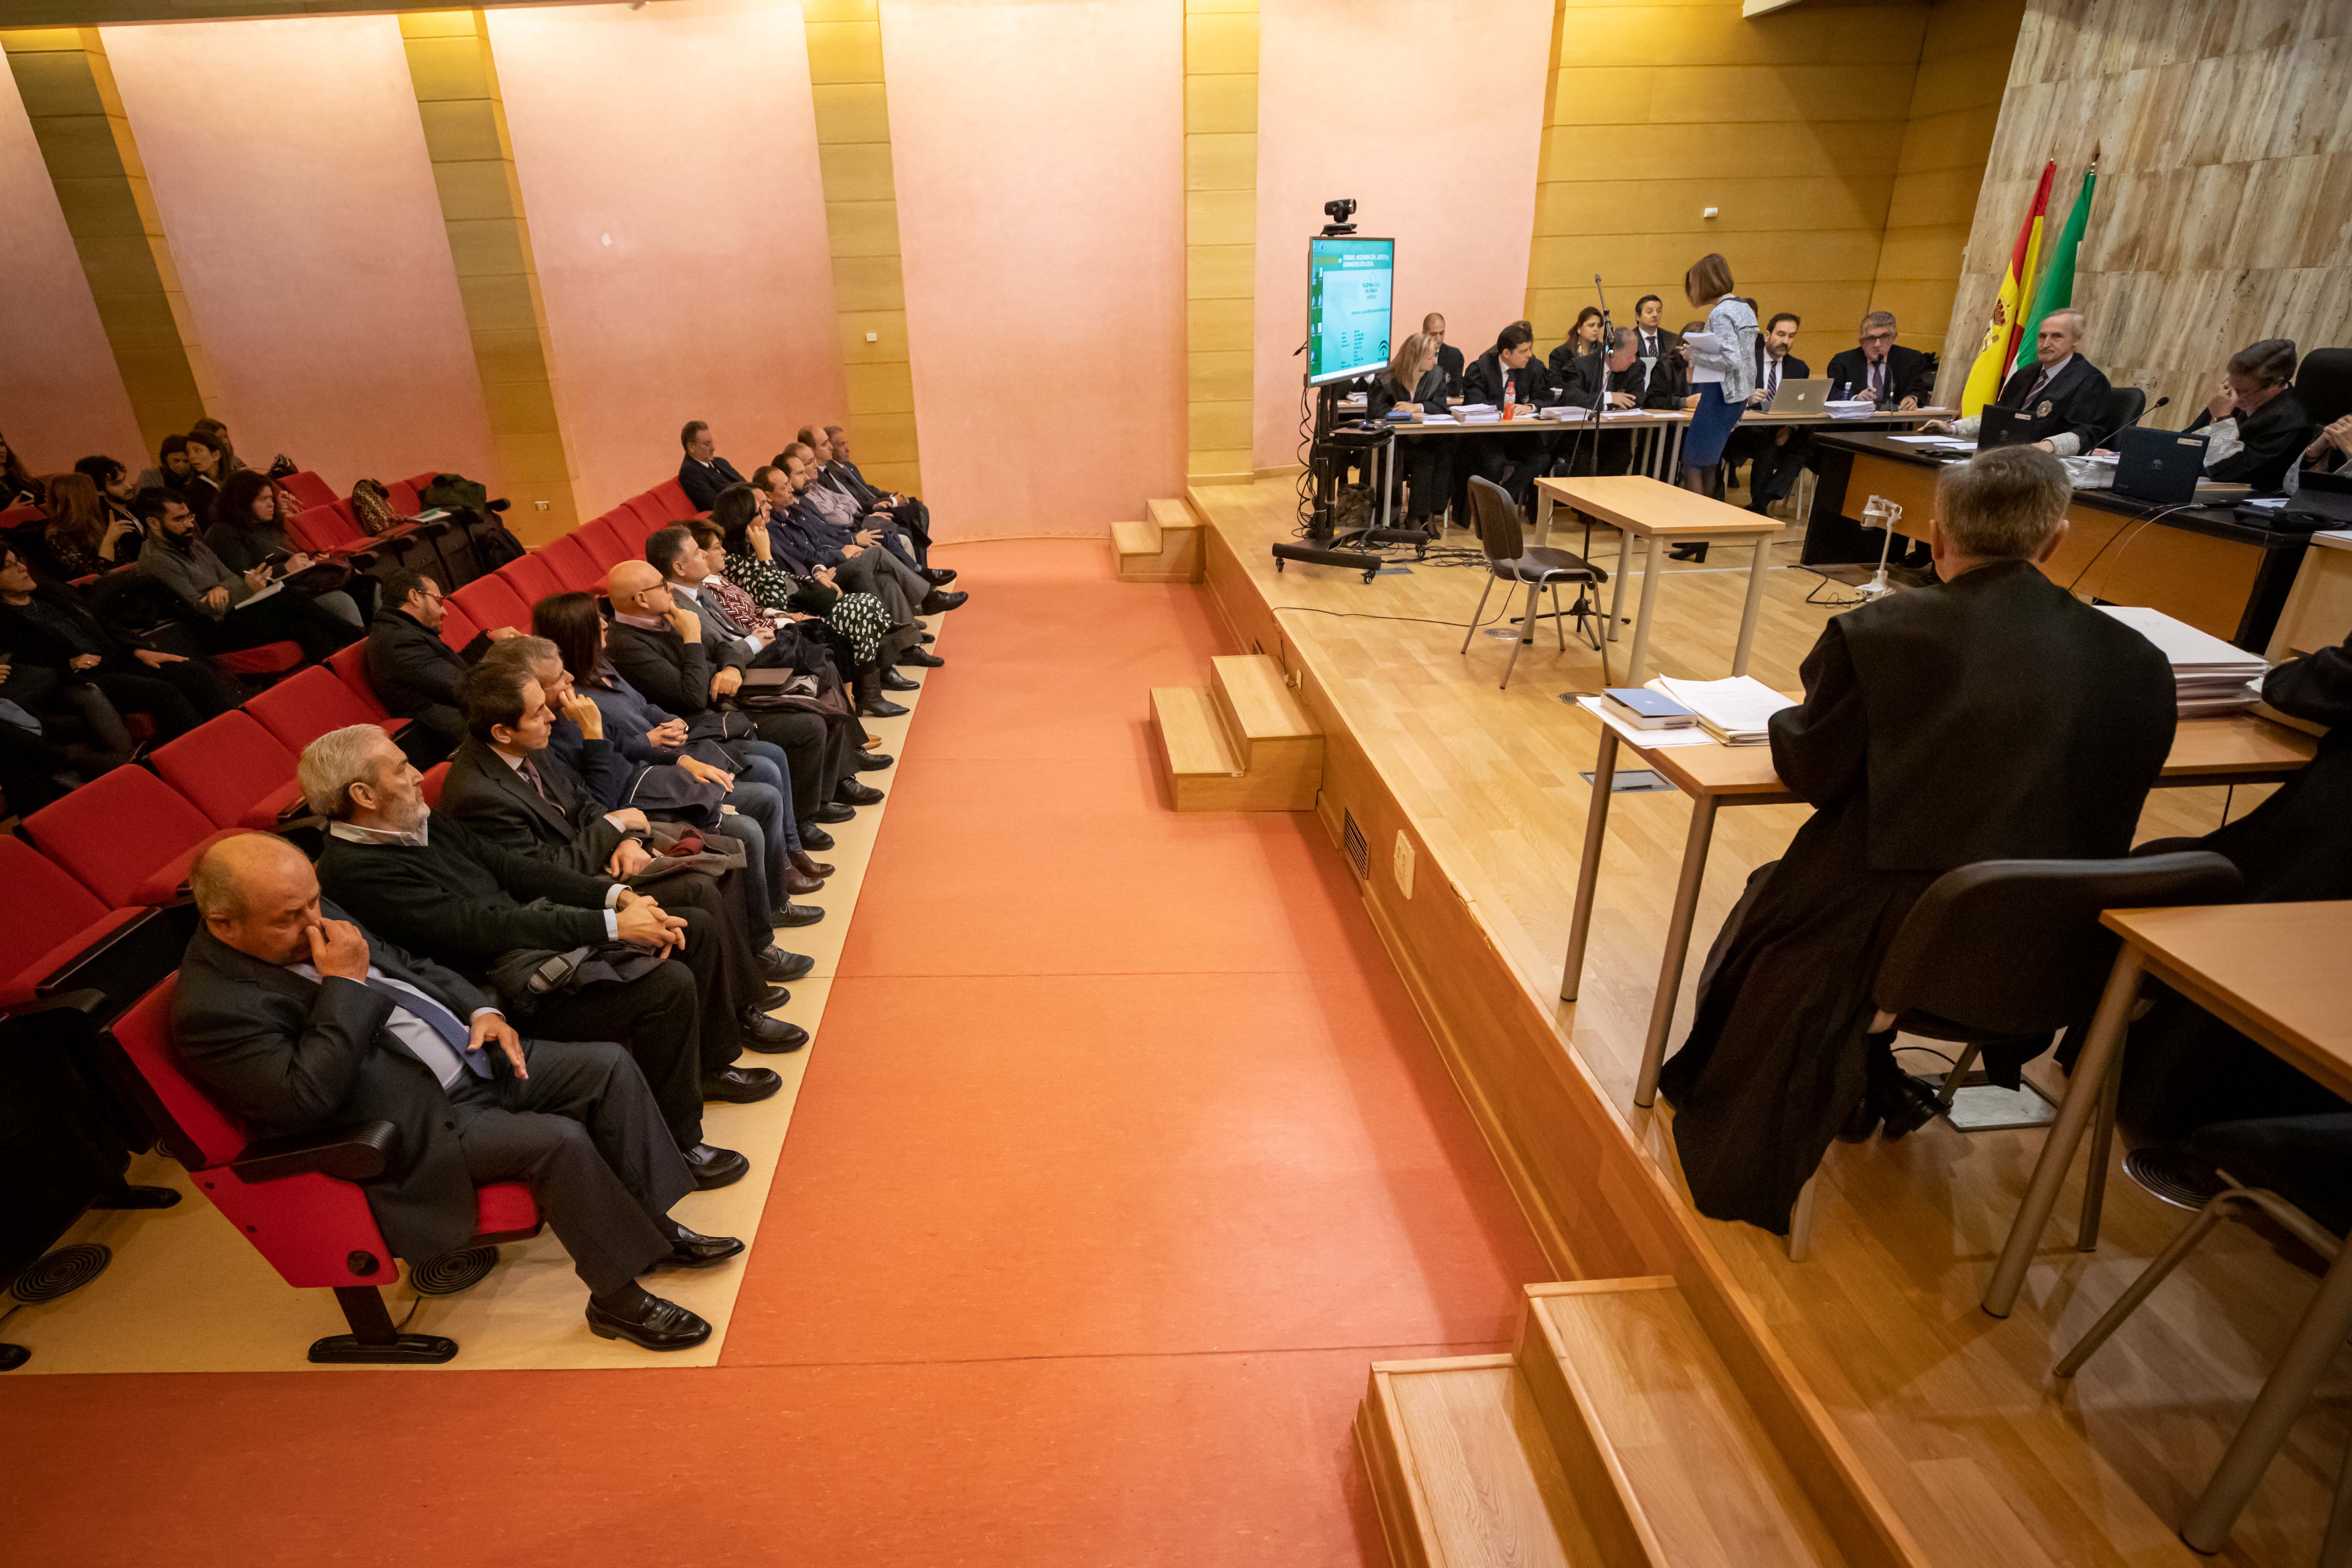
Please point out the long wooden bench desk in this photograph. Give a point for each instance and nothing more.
(2236, 748)
(2197, 563)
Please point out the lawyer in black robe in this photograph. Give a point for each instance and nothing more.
(1991, 717)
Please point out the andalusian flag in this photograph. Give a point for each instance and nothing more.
(2054, 291)
(1991, 364)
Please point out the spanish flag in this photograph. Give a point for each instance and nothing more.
(2000, 338)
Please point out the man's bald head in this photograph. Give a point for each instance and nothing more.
(257, 894)
(627, 579)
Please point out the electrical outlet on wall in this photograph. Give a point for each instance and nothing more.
(540, 504)
(1404, 863)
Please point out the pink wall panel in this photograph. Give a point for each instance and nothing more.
(1038, 149)
(1433, 126)
(60, 395)
(288, 163)
(669, 168)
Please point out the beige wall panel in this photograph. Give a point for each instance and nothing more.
(1220, 218)
(1935, 197)
(1676, 206)
(1219, 377)
(1221, 43)
(1221, 162)
(868, 283)
(857, 172)
(862, 228)
(1219, 326)
(1602, 95)
(878, 389)
(885, 438)
(1220, 425)
(889, 330)
(1864, 150)
(853, 111)
(1220, 104)
(844, 52)
(1924, 253)
(1220, 271)
(1716, 35)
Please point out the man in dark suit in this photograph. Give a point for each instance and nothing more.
(1989, 716)
(414, 672)
(908, 516)
(1662, 372)
(1512, 461)
(1879, 368)
(2061, 398)
(1775, 453)
(509, 788)
(703, 473)
(297, 1020)
(1449, 358)
(1615, 381)
(428, 883)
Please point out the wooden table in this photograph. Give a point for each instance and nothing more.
(2276, 974)
(2319, 612)
(2235, 748)
(1658, 514)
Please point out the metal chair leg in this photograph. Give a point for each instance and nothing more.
(2095, 1175)
(1801, 1221)
(1959, 1070)
(1516, 644)
(2215, 1211)
(1472, 629)
(1558, 631)
(2336, 1551)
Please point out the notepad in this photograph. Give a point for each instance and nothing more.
(2209, 676)
(1737, 711)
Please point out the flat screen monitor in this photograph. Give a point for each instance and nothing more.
(1349, 288)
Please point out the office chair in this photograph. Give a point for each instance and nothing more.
(2322, 383)
(1510, 558)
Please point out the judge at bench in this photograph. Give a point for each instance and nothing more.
(1990, 716)
(296, 1021)
(2061, 398)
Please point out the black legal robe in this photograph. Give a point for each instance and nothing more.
(1992, 717)
(2075, 402)
(2274, 437)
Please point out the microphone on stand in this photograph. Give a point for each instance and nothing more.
(2103, 440)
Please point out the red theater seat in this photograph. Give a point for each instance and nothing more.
(490, 603)
(233, 771)
(657, 514)
(269, 658)
(298, 1200)
(431, 783)
(307, 489)
(298, 711)
(532, 578)
(126, 836)
(404, 498)
(575, 570)
(458, 627)
(606, 546)
(350, 666)
(671, 496)
(50, 925)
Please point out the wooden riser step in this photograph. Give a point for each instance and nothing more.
(1165, 547)
(1243, 744)
(1463, 1474)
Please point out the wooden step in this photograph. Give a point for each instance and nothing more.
(1635, 1396)
(1463, 1472)
(1169, 514)
(1279, 743)
(1135, 539)
(1204, 772)
(1149, 553)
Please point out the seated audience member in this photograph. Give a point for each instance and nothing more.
(845, 525)
(2061, 398)
(2185, 1068)
(750, 774)
(40, 762)
(657, 644)
(16, 483)
(1512, 461)
(414, 672)
(857, 659)
(1879, 368)
(1413, 383)
(2255, 427)
(1583, 338)
(216, 435)
(792, 532)
(833, 543)
(171, 470)
(874, 636)
(1775, 453)
(82, 537)
(249, 530)
(2328, 452)
(516, 793)
(1990, 716)
(114, 487)
(208, 470)
(101, 676)
(703, 473)
(298, 1020)
(651, 977)
(228, 610)
(1664, 367)
(911, 518)
(1449, 358)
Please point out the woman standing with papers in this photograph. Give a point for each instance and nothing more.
(1990, 716)
(1722, 374)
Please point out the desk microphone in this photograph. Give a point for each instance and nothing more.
(2108, 440)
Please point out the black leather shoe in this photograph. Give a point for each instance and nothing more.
(815, 871)
(815, 838)
(791, 915)
(785, 966)
(873, 762)
(891, 680)
(830, 811)
(928, 638)
(694, 1250)
(653, 1324)
(940, 577)
(849, 792)
(940, 600)
(920, 659)
(715, 1167)
(741, 1086)
(874, 708)
(1906, 1108)
(776, 997)
(771, 1036)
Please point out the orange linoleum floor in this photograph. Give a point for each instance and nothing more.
(1123, 1153)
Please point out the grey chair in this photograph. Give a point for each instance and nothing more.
(1510, 558)
(2009, 952)
(2125, 406)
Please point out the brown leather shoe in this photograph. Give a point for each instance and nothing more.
(800, 886)
(808, 867)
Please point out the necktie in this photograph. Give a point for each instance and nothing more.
(1878, 379)
(1771, 378)
(2040, 382)
(435, 1017)
(529, 771)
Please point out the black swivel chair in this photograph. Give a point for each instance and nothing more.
(1510, 558)
(2009, 953)
(2322, 383)
(2125, 406)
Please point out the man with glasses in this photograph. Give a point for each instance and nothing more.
(415, 673)
(1880, 368)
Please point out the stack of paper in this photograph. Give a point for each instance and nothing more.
(1734, 712)
(2209, 676)
(1851, 408)
(1564, 410)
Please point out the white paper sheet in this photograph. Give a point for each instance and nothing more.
(1647, 739)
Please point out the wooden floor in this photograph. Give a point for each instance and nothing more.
(1985, 1457)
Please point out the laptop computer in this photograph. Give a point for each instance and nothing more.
(2327, 496)
(1802, 396)
(2159, 466)
(1994, 428)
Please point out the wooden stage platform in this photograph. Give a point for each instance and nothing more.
(1870, 1365)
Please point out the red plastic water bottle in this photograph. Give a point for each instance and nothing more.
(1510, 399)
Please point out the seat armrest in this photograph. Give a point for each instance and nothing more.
(121, 962)
(353, 1153)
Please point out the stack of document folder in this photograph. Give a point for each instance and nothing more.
(2209, 676)
(1734, 712)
